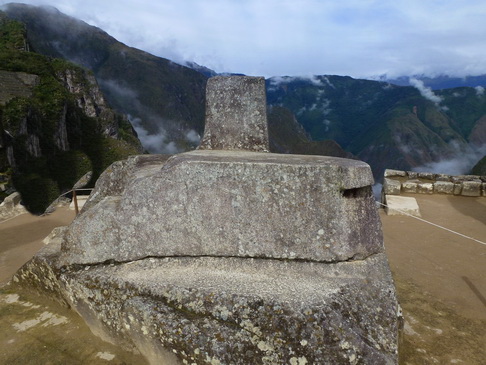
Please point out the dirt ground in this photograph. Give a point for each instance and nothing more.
(36, 330)
(440, 279)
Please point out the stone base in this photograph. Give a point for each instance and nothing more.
(401, 205)
(243, 311)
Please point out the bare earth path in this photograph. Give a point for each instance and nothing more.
(36, 330)
(440, 279)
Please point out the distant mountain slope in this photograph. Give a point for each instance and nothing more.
(54, 122)
(441, 82)
(386, 125)
(165, 100)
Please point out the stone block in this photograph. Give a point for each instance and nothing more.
(401, 205)
(412, 174)
(457, 188)
(426, 175)
(391, 187)
(236, 114)
(471, 188)
(410, 186)
(443, 187)
(242, 311)
(484, 189)
(443, 177)
(229, 203)
(425, 188)
(395, 173)
(461, 178)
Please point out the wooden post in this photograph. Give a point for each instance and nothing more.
(75, 198)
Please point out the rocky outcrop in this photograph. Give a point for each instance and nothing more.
(89, 98)
(16, 84)
(11, 207)
(231, 257)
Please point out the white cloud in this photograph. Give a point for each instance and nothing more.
(463, 161)
(479, 90)
(309, 37)
(154, 142)
(425, 91)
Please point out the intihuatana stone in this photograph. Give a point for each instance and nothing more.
(443, 187)
(230, 256)
(236, 115)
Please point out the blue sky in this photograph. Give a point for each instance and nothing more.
(359, 38)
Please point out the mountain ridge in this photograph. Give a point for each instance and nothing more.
(386, 125)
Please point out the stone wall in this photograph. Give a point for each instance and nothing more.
(398, 182)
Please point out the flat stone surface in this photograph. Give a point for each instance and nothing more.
(401, 205)
(236, 114)
(224, 203)
(395, 173)
(243, 311)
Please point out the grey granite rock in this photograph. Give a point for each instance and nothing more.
(471, 188)
(243, 311)
(395, 173)
(391, 187)
(443, 187)
(457, 188)
(410, 186)
(115, 178)
(425, 188)
(42, 272)
(234, 203)
(236, 114)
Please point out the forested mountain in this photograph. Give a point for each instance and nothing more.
(386, 125)
(55, 124)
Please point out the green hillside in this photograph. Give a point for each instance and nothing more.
(167, 98)
(48, 139)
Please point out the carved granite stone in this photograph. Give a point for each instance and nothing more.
(226, 255)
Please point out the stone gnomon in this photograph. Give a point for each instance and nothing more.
(230, 254)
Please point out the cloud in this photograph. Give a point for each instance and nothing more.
(425, 91)
(479, 90)
(464, 160)
(154, 142)
(308, 37)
